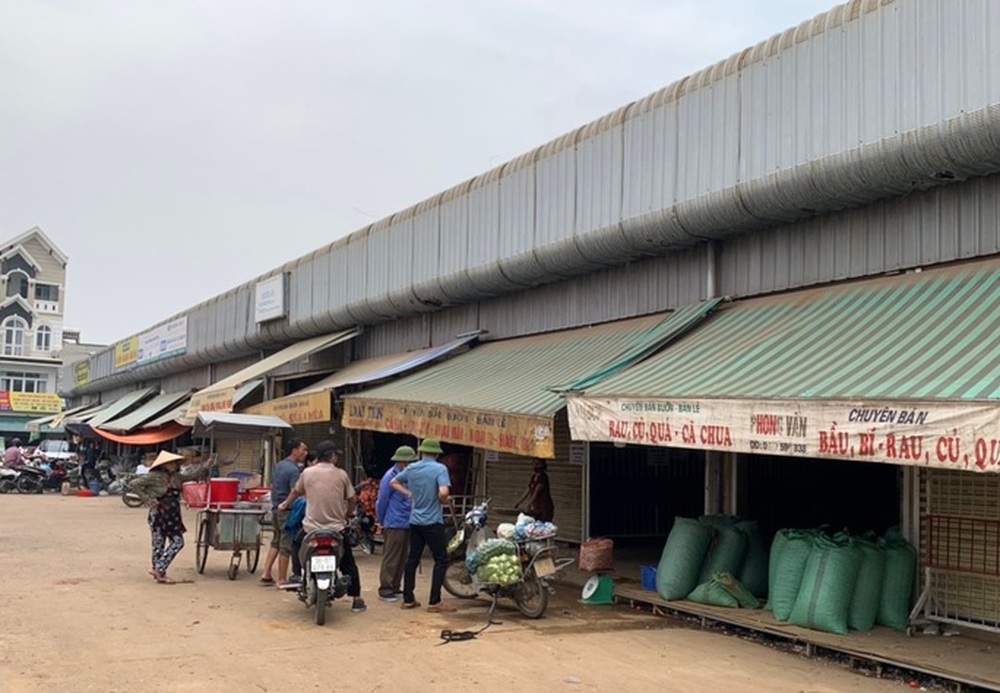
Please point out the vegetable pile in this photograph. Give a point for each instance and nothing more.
(496, 561)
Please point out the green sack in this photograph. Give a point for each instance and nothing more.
(754, 575)
(824, 598)
(789, 553)
(713, 593)
(725, 554)
(897, 581)
(868, 589)
(744, 598)
(683, 554)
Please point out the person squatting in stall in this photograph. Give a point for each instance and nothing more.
(330, 503)
(393, 512)
(161, 490)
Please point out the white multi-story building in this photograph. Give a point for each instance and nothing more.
(32, 287)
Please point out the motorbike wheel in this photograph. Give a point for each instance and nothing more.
(28, 484)
(531, 596)
(131, 500)
(321, 596)
(458, 582)
(201, 546)
(6, 486)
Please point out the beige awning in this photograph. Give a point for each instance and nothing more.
(279, 359)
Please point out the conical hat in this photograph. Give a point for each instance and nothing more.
(165, 458)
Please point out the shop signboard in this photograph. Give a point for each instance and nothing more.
(163, 341)
(213, 400)
(31, 402)
(313, 407)
(81, 372)
(269, 299)
(519, 435)
(126, 352)
(962, 436)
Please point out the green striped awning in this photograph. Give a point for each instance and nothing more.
(496, 396)
(931, 335)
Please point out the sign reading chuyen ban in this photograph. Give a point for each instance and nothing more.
(927, 434)
(514, 433)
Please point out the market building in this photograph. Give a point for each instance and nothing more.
(767, 289)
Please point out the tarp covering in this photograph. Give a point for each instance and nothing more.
(150, 437)
(144, 413)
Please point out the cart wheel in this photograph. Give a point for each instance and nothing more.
(234, 566)
(201, 546)
(253, 555)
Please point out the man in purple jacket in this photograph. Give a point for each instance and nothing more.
(393, 511)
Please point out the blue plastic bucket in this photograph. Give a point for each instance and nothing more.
(648, 577)
(95, 487)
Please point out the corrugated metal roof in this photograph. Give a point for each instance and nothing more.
(276, 360)
(207, 421)
(144, 413)
(120, 406)
(513, 376)
(85, 414)
(932, 335)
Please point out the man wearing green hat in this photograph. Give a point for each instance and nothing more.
(393, 512)
(427, 484)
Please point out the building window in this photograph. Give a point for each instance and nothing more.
(13, 336)
(23, 382)
(46, 292)
(43, 338)
(17, 284)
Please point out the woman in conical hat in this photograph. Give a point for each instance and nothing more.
(161, 489)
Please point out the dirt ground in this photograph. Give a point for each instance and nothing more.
(80, 613)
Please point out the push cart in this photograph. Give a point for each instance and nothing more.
(236, 529)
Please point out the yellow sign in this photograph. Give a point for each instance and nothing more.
(34, 402)
(297, 409)
(215, 400)
(81, 372)
(126, 352)
(520, 435)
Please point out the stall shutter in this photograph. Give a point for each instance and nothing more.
(239, 455)
(960, 542)
(507, 479)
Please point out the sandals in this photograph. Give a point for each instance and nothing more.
(267, 581)
(164, 580)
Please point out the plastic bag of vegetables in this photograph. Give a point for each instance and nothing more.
(504, 569)
(487, 550)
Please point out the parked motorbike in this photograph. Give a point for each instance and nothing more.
(536, 556)
(8, 479)
(321, 554)
(32, 479)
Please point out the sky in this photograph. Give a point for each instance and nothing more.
(175, 150)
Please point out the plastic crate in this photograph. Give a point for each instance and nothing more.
(195, 494)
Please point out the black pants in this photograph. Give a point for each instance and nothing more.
(420, 536)
(348, 566)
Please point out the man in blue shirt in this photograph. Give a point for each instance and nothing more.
(427, 484)
(286, 473)
(393, 511)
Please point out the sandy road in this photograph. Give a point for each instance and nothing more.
(80, 613)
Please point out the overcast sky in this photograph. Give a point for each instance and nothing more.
(174, 150)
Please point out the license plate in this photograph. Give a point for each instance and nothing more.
(545, 566)
(323, 564)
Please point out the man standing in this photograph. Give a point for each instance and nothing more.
(393, 512)
(330, 503)
(426, 483)
(286, 474)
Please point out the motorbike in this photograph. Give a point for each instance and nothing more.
(32, 479)
(321, 554)
(8, 479)
(536, 556)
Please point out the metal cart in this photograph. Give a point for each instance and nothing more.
(236, 529)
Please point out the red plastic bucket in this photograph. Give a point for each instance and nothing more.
(223, 493)
(256, 494)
